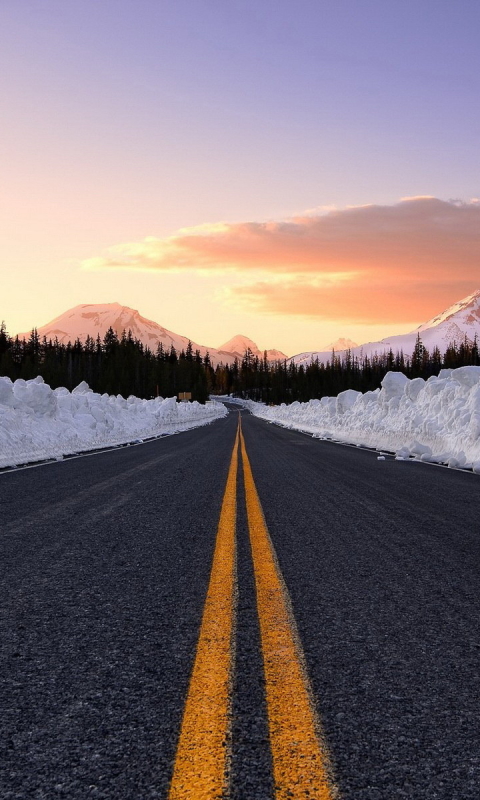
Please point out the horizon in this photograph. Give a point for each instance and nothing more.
(303, 177)
(434, 320)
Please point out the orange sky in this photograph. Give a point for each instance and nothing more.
(209, 164)
(365, 265)
(362, 272)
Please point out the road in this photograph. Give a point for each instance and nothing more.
(106, 564)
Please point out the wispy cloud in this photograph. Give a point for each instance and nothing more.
(414, 255)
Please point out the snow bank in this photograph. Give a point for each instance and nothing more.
(437, 420)
(37, 422)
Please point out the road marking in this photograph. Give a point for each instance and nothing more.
(203, 751)
(301, 763)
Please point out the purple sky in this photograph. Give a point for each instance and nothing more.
(127, 119)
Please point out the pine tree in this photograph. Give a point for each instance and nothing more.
(475, 358)
(417, 357)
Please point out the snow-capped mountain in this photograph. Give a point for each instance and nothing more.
(340, 344)
(459, 320)
(452, 325)
(93, 320)
(239, 344)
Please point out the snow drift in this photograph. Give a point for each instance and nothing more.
(437, 420)
(37, 422)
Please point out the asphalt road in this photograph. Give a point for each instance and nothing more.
(105, 567)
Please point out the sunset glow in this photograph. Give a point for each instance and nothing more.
(344, 265)
(240, 173)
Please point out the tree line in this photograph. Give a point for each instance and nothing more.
(254, 378)
(115, 364)
(124, 365)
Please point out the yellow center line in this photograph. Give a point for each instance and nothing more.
(203, 751)
(301, 764)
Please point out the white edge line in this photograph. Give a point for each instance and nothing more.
(96, 452)
(391, 456)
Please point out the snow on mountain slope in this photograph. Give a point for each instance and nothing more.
(275, 355)
(239, 344)
(93, 320)
(452, 325)
(340, 344)
(465, 313)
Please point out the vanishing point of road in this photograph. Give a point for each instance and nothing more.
(242, 612)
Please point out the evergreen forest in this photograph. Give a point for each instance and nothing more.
(124, 365)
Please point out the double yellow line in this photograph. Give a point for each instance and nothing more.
(300, 759)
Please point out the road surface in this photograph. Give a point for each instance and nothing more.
(342, 660)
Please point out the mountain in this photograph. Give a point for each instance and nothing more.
(239, 344)
(340, 344)
(93, 320)
(452, 325)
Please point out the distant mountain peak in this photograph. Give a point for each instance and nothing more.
(468, 309)
(460, 320)
(340, 344)
(95, 319)
(238, 344)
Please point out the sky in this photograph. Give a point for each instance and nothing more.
(294, 172)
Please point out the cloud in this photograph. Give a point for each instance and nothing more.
(354, 303)
(410, 255)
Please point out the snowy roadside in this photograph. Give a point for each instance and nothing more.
(437, 420)
(38, 423)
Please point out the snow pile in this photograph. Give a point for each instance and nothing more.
(437, 420)
(37, 422)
